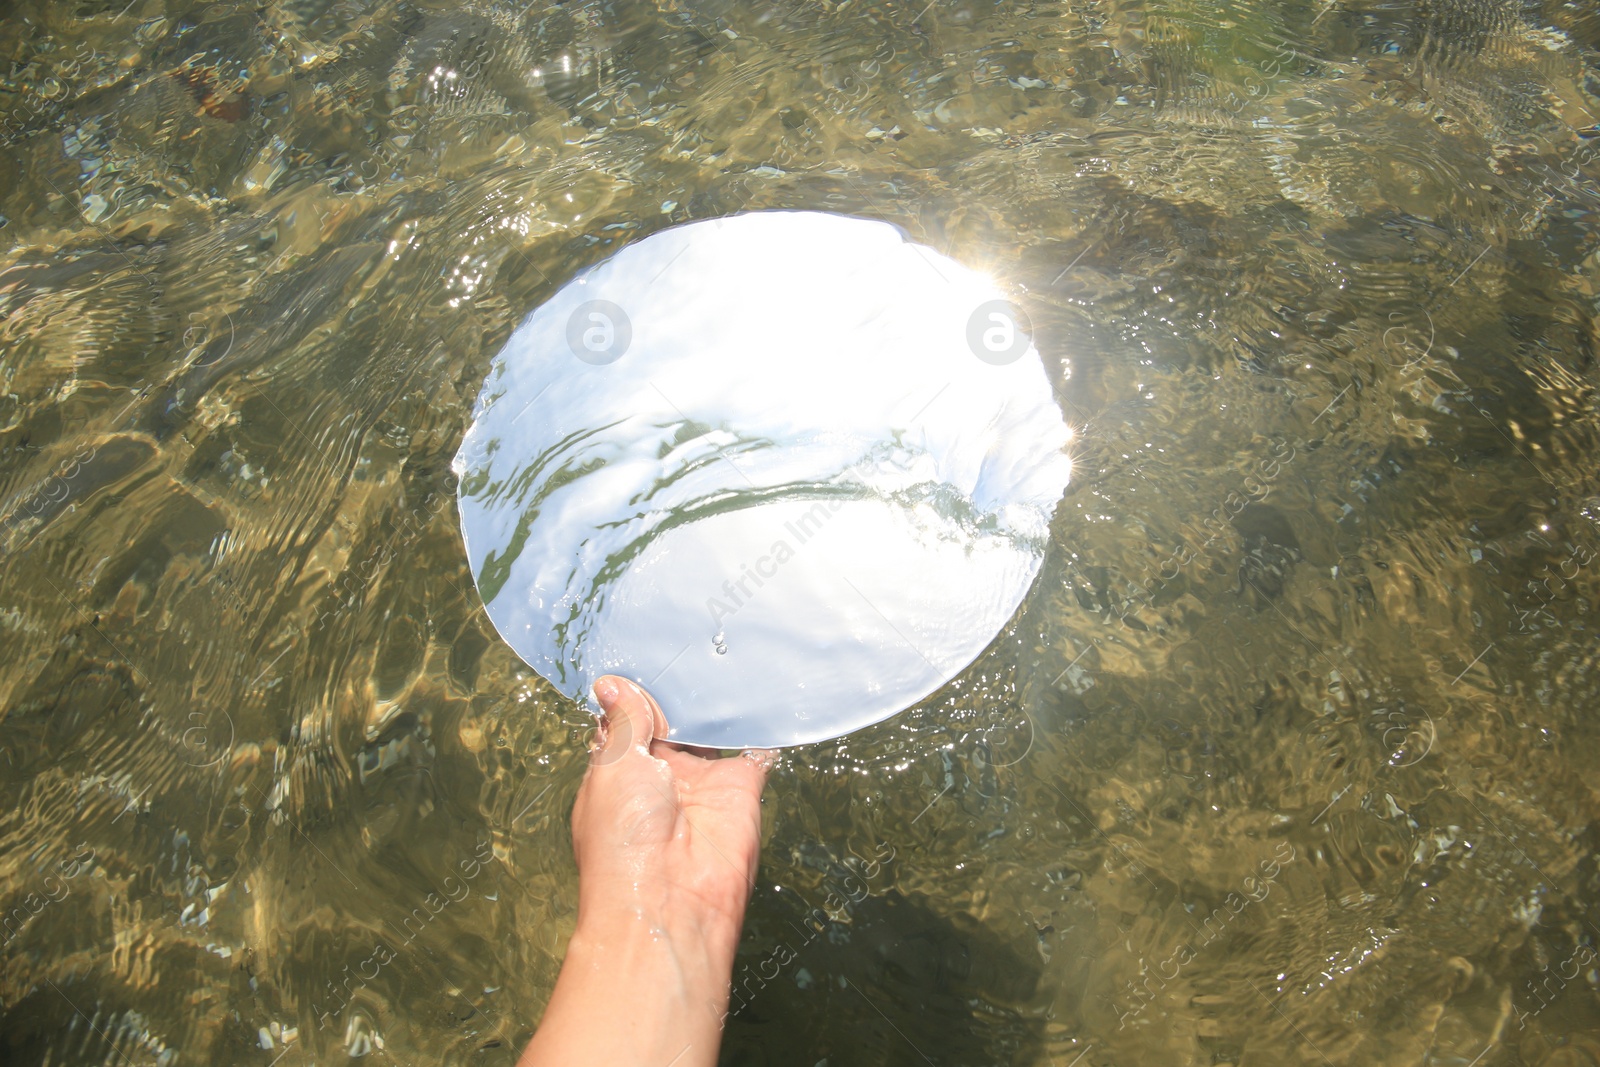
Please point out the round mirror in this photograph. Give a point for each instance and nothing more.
(788, 469)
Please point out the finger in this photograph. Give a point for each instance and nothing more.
(749, 769)
(662, 729)
(761, 762)
(629, 722)
(697, 751)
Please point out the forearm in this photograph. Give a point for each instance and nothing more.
(635, 993)
(666, 843)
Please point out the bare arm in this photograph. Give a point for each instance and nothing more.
(667, 843)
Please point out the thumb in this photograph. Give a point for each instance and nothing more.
(630, 720)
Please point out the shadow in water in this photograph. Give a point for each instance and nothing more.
(893, 982)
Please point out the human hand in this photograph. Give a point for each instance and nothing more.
(661, 830)
(667, 840)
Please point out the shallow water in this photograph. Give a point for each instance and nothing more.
(1287, 758)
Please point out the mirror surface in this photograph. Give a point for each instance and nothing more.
(788, 469)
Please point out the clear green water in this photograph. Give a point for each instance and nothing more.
(1290, 757)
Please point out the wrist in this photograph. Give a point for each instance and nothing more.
(634, 991)
(700, 939)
